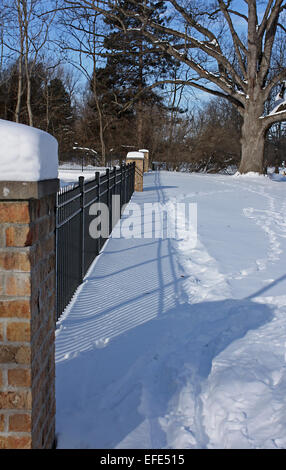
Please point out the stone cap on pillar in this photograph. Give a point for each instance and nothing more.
(146, 159)
(138, 159)
(27, 154)
(23, 190)
(135, 156)
(28, 162)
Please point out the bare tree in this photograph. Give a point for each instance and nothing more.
(3, 19)
(20, 60)
(30, 25)
(11, 16)
(83, 40)
(199, 38)
(175, 100)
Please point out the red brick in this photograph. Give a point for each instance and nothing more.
(10, 354)
(23, 355)
(18, 331)
(14, 261)
(18, 285)
(20, 400)
(20, 422)
(15, 308)
(21, 235)
(7, 354)
(2, 423)
(19, 377)
(14, 442)
(16, 212)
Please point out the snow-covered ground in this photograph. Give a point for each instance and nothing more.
(171, 345)
(69, 174)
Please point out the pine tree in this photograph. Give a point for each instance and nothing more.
(132, 65)
(59, 113)
(50, 103)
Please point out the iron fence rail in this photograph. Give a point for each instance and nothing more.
(76, 249)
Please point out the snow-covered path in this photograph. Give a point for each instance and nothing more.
(168, 345)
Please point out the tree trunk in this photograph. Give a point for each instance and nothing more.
(19, 91)
(252, 140)
(28, 97)
(139, 113)
(100, 118)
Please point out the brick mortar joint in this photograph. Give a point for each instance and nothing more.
(15, 320)
(16, 249)
(6, 366)
(15, 344)
(32, 223)
(14, 298)
(14, 366)
(16, 389)
(15, 434)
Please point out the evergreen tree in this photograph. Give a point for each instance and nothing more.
(132, 65)
(59, 114)
(50, 103)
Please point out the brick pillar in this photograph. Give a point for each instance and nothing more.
(138, 158)
(146, 159)
(27, 314)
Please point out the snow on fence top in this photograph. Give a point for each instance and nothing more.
(135, 156)
(26, 153)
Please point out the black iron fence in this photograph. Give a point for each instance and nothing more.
(76, 248)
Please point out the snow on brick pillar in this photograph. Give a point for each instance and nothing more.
(27, 288)
(146, 159)
(138, 158)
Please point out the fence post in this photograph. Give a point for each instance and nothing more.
(121, 186)
(133, 177)
(146, 159)
(108, 194)
(138, 159)
(130, 179)
(112, 206)
(27, 311)
(82, 202)
(97, 180)
(124, 184)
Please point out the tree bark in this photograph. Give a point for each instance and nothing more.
(19, 91)
(252, 140)
(20, 64)
(27, 71)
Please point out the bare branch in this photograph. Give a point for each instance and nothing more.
(269, 120)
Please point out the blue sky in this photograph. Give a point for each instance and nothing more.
(239, 23)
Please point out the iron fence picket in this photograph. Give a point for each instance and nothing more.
(76, 249)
